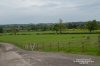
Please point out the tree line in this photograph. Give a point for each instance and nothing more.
(59, 27)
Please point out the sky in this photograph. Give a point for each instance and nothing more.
(48, 11)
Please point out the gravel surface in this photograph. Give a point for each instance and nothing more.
(13, 56)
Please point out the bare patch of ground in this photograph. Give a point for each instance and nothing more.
(13, 56)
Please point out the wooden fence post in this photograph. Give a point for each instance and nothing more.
(69, 49)
(50, 46)
(58, 47)
(83, 47)
(99, 44)
(26, 46)
(43, 46)
(33, 46)
(37, 48)
(30, 47)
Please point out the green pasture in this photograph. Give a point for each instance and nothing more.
(68, 43)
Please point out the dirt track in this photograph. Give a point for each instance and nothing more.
(13, 56)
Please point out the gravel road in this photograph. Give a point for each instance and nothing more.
(13, 56)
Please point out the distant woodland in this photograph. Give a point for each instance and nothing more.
(57, 27)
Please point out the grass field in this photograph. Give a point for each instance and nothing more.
(70, 43)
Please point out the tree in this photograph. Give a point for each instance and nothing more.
(1, 30)
(61, 26)
(56, 28)
(91, 25)
(14, 29)
(31, 27)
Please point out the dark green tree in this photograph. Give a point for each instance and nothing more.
(56, 28)
(92, 25)
(1, 30)
(61, 26)
(14, 29)
(31, 27)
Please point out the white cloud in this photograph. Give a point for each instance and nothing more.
(12, 11)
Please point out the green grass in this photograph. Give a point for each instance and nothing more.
(70, 43)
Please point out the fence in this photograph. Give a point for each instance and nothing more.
(87, 45)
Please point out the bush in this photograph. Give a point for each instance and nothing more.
(1, 30)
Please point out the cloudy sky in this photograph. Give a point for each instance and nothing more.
(47, 11)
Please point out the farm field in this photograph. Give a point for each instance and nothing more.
(68, 43)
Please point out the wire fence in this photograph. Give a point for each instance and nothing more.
(86, 45)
